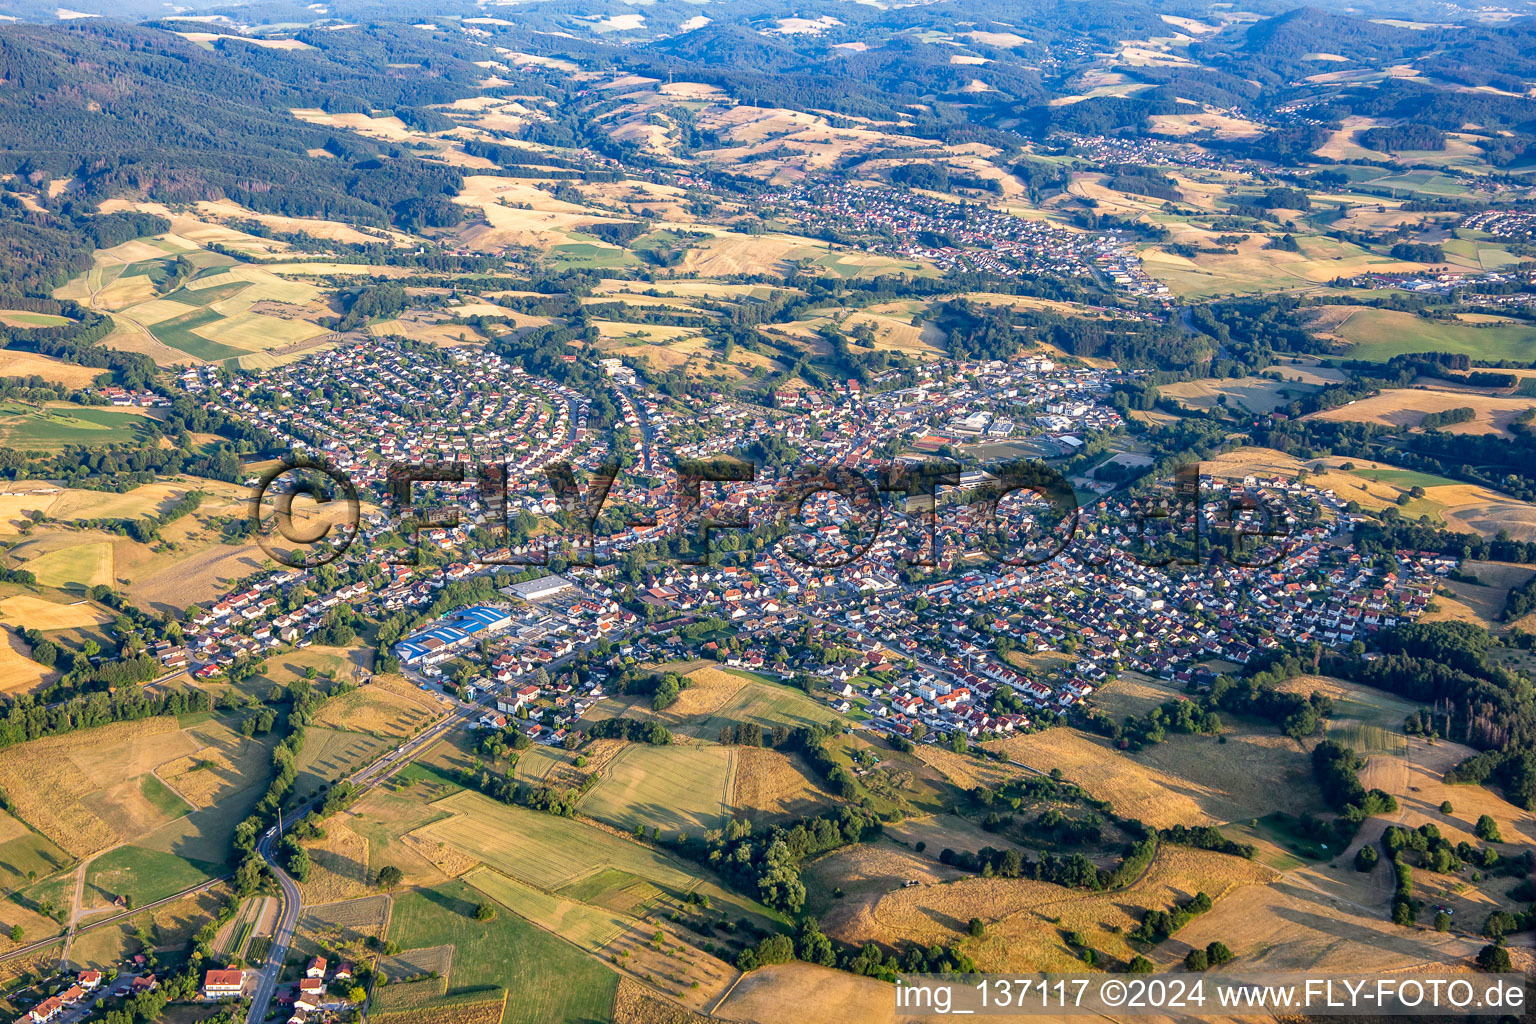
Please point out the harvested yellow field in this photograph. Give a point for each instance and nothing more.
(808, 994)
(36, 613)
(1417, 779)
(16, 500)
(266, 44)
(377, 711)
(1479, 510)
(197, 777)
(1252, 461)
(156, 311)
(435, 333)
(1222, 126)
(1323, 921)
(1406, 408)
(257, 332)
(144, 500)
(391, 128)
(339, 866)
(1256, 772)
(447, 859)
(769, 783)
(50, 780)
(729, 254)
(30, 364)
(198, 578)
(1135, 790)
(127, 291)
(487, 1012)
(1025, 919)
(322, 268)
(708, 690)
(898, 333)
(965, 772)
(867, 871)
(18, 672)
(1254, 394)
(1003, 39)
(329, 230)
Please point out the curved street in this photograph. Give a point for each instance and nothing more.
(364, 779)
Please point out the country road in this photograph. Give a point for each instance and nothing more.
(364, 778)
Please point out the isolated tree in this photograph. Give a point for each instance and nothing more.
(485, 912)
(1140, 965)
(1218, 953)
(975, 928)
(1488, 830)
(390, 876)
(1495, 960)
(1197, 960)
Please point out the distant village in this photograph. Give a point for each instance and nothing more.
(968, 236)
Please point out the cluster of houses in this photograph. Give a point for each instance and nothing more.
(1143, 151)
(965, 236)
(129, 397)
(305, 998)
(365, 407)
(55, 1006)
(252, 622)
(1502, 222)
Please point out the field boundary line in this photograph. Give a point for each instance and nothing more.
(726, 994)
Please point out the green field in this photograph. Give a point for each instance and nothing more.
(26, 854)
(1404, 478)
(49, 428)
(674, 788)
(329, 754)
(767, 704)
(83, 565)
(177, 333)
(553, 981)
(850, 266)
(1366, 739)
(145, 875)
(614, 889)
(588, 927)
(1378, 334)
(34, 319)
(162, 798)
(1428, 182)
(545, 850)
(589, 255)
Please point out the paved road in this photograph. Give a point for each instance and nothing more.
(365, 778)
